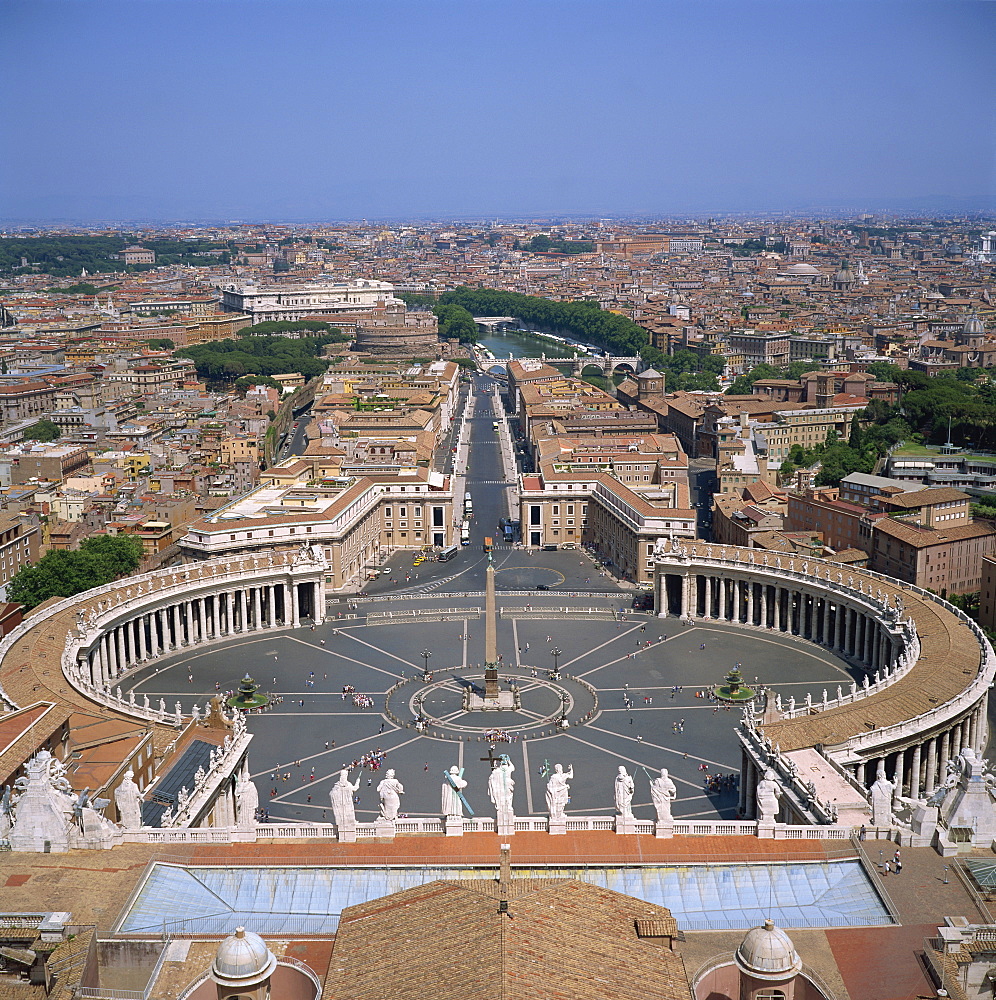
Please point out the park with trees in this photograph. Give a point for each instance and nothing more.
(225, 361)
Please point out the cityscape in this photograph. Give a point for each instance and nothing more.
(445, 499)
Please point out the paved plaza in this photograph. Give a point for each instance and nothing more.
(619, 671)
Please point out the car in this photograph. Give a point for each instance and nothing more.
(386, 570)
(542, 586)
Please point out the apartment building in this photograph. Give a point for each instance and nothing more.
(354, 521)
(947, 560)
(53, 462)
(618, 522)
(29, 398)
(316, 299)
(804, 427)
(20, 542)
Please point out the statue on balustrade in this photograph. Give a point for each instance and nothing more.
(343, 807)
(882, 792)
(453, 798)
(390, 791)
(663, 792)
(247, 799)
(558, 791)
(624, 788)
(768, 794)
(128, 799)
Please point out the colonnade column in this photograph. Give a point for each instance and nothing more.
(915, 771)
(256, 612)
(121, 658)
(295, 605)
(900, 776)
(944, 750)
(930, 777)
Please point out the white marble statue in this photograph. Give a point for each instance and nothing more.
(624, 789)
(247, 799)
(501, 785)
(128, 799)
(663, 792)
(43, 806)
(453, 785)
(390, 791)
(881, 795)
(342, 801)
(558, 791)
(768, 793)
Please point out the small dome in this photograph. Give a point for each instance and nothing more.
(768, 953)
(800, 269)
(974, 325)
(243, 959)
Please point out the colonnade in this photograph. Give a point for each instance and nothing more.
(194, 619)
(916, 769)
(728, 585)
(853, 630)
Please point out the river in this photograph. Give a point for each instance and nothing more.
(523, 345)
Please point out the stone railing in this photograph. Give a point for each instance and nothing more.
(191, 805)
(791, 781)
(418, 615)
(422, 825)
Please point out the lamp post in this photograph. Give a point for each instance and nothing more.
(425, 671)
(555, 653)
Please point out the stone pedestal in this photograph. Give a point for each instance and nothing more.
(557, 827)
(664, 829)
(505, 824)
(625, 824)
(766, 831)
(384, 828)
(454, 826)
(346, 834)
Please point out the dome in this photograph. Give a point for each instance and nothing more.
(801, 269)
(768, 953)
(974, 325)
(243, 959)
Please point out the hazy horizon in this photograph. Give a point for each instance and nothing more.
(306, 112)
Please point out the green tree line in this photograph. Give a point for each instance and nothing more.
(225, 360)
(64, 256)
(64, 573)
(544, 244)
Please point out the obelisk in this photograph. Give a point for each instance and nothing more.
(490, 635)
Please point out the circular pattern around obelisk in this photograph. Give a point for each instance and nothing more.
(438, 708)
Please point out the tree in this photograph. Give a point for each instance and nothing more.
(63, 573)
(44, 430)
(160, 344)
(280, 265)
(248, 381)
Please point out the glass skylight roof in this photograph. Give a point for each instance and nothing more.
(282, 901)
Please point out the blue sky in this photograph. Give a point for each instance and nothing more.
(330, 109)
